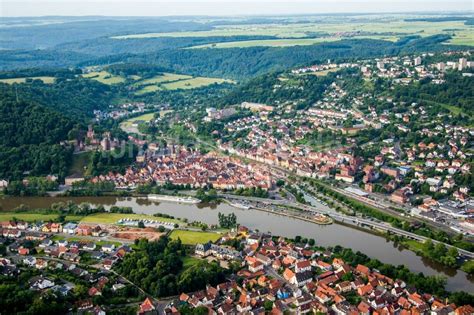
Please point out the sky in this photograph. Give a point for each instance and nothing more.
(12, 8)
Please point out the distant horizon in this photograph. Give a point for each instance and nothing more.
(459, 13)
(224, 8)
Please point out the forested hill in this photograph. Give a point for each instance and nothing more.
(239, 63)
(234, 63)
(35, 117)
(303, 90)
(76, 98)
(30, 136)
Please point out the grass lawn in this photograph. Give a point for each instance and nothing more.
(414, 245)
(189, 261)
(194, 237)
(468, 266)
(84, 239)
(148, 89)
(30, 217)
(104, 77)
(144, 118)
(112, 218)
(47, 80)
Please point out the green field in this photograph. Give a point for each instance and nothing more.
(321, 73)
(268, 43)
(285, 42)
(104, 77)
(172, 81)
(194, 237)
(414, 245)
(148, 89)
(165, 77)
(133, 120)
(47, 80)
(30, 217)
(294, 33)
(112, 218)
(100, 218)
(193, 83)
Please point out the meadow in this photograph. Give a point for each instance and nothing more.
(173, 81)
(133, 120)
(193, 83)
(194, 237)
(165, 77)
(104, 77)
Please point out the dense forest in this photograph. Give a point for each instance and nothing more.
(305, 88)
(63, 29)
(30, 138)
(241, 63)
(36, 117)
(158, 267)
(76, 98)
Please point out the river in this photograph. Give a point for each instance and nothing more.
(325, 235)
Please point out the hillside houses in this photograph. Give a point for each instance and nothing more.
(305, 281)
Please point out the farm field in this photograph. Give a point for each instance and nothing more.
(104, 77)
(388, 29)
(45, 79)
(194, 237)
(112, 218)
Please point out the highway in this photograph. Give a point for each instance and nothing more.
(356, 221)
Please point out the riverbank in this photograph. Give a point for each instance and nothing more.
(325, 235)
